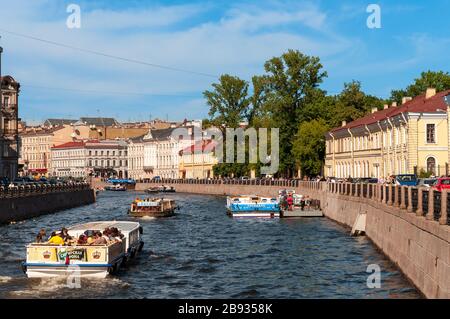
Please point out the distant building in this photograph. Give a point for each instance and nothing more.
(58, 122)
(197, 161)
(9, 139)
(162, 152)
(36, 144)
(136, 158)
(410, 138)
(100, 158)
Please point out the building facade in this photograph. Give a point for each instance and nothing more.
(136, 158)
(401, 139)
(197, 161)
(36, 144)
(162, 150)
(106, 159)
(9, 137)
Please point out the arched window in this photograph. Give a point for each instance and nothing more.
(431, 165)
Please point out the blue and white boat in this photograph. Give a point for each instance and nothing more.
(253, 206)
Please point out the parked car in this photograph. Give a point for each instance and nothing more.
(4, 181)
(442, 183)
(406, 180)
(156, 178)
(426, 182)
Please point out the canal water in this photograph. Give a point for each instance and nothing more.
(202, 253)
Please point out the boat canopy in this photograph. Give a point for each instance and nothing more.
(121, 181)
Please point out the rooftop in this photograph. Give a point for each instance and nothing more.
(419, 104)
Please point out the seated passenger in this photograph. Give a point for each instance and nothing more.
(99, 239)
(82, 240)
(40, 236)
(56, 239)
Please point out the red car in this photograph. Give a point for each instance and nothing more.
(442, 183)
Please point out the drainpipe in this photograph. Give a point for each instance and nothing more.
(406, 143)
(351, 151)
(367, 129)
(395, 147)
(382, 147)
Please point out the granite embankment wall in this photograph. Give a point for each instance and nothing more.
(33, 204)
(410, 225)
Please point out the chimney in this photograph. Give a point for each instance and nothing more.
(374, 109)
(430, 93)
(406, 99)
(386, 106)
(394, 104)
(344, 123)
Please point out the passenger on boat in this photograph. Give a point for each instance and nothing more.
(56, 239)
(99, 239)
(40, 236)
(290, 201)
(65, 235)
(82, 240)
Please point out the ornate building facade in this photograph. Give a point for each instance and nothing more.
(409, 138)
(9, 118)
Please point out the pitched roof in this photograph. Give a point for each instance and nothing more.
(54, 122)
(419, 104)
(201, 146)
(76, 144)
(98, 121)
(157, 135)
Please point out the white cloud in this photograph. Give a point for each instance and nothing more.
(238, 42)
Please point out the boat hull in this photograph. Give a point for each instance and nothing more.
(254, 214)
(50, 271)
(297, 212)
(152, 214)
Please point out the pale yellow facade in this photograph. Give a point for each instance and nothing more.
(36, 147)
(405, 139)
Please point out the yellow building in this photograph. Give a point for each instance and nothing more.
(197, 161)
(36, 144)
(401, 139)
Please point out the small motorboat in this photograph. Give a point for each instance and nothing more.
(253, 206)
(85, 260)
(160, 189)
(116, 188)
(302, 206)
(153, 207)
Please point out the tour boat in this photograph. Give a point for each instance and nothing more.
(253, 206)
(94, 261)
(153, 207)
(160, 189)
(116, 188)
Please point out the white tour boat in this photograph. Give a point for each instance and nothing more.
(253, 206)
(50, 260)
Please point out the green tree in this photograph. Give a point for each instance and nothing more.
(228, 102)
(431, 79)
(289, 81)
(309, 146)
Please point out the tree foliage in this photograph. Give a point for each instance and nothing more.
(309, 146)
(439, 80)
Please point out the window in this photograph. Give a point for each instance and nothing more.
(431, 133)
(431, 165)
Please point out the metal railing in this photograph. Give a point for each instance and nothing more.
(388, 194)
(33, 190)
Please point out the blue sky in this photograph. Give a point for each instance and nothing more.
(213, 37)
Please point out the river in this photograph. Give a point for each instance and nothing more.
(203, 253)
